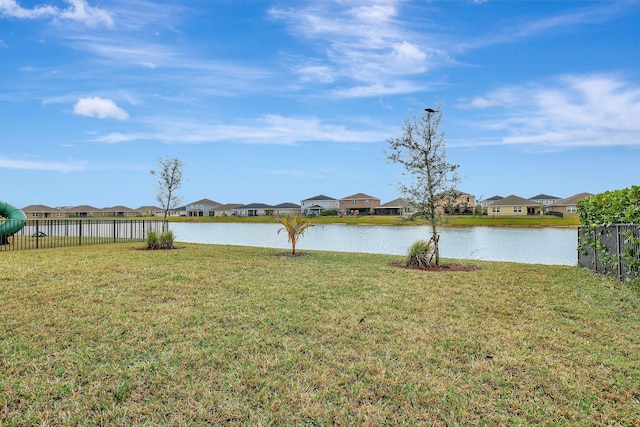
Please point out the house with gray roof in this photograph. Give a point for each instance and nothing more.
(203, 207)
(314, 206)
(514, 206)
(545, 200)
(359, 203)
(568, 206)
(399, 206)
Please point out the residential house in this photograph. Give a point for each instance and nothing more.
(544, 200)
(118, 211)
(487, 202)
(42, 211)
(315, 205)
(514, 206)
(226, 210)
(254, 209)
(399, 206)
(462, 204)
(82, 211)
(202, 207)
(568, 206)
(286, 209)
(358, 204)
(149, 211)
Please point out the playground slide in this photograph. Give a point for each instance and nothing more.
(16, 219)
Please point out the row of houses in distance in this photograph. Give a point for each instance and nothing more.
(355, 204)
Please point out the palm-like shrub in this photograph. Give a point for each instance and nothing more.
(421, 254)
(295, 226)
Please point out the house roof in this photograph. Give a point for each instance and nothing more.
(494, 198)
(148, 208)
(205, 202)
(514, 200)
(255, 206)
(359, 196)
(39, 208)
(544, 197)
(82, 208)
(287, 206)
(400, 202)
(118, 209)
(570, 201)
(228, 206)
(321, 197)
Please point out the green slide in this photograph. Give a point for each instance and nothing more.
(15, 220)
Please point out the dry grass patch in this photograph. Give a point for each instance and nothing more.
(236, 336)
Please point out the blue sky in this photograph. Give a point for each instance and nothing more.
(278, 101)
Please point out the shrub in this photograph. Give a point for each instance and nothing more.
(160, 241)
(420, 254)
(329, 212)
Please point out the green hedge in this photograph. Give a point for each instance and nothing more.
(611, 207)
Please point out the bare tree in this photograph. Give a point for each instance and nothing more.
(421, 151)
(170, 180)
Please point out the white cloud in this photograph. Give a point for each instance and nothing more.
(44, 166)
(100, 108)
(364, 43)
(569, 111)
(78, 10)
(267, 129)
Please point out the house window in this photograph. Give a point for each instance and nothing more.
(496, 209)
(571, 209)
(517, 209)
(354, 202)
(35, 214)
(366, 202)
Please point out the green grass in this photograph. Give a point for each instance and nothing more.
(454, 221)
(221, 335)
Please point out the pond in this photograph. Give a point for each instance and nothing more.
(551, 246)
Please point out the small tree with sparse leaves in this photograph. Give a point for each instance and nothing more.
(169, 181)
(421, 151)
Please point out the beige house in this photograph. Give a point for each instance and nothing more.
(514, 206)
(463, 203)
(358, 204)
(286, 209)
(568, 206)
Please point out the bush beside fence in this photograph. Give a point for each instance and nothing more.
(612, 250)
(45, 233)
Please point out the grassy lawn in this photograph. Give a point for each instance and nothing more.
(454, 221)
(202, 335)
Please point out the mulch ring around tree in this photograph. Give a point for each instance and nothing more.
(441, 267)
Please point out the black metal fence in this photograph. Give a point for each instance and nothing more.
(54, 233)
(612, 250)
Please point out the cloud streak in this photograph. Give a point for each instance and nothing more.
(267, 129)
(40, 166)
(570, 111)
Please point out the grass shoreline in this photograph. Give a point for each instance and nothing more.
(227, 335)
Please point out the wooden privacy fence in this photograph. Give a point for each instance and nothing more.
(612, 250)
(54, 233)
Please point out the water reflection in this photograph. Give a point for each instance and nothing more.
(524, 245)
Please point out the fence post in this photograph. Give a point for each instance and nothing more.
(618, 254)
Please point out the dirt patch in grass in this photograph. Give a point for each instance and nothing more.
(441, 267)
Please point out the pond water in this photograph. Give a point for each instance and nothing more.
(551, 246)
